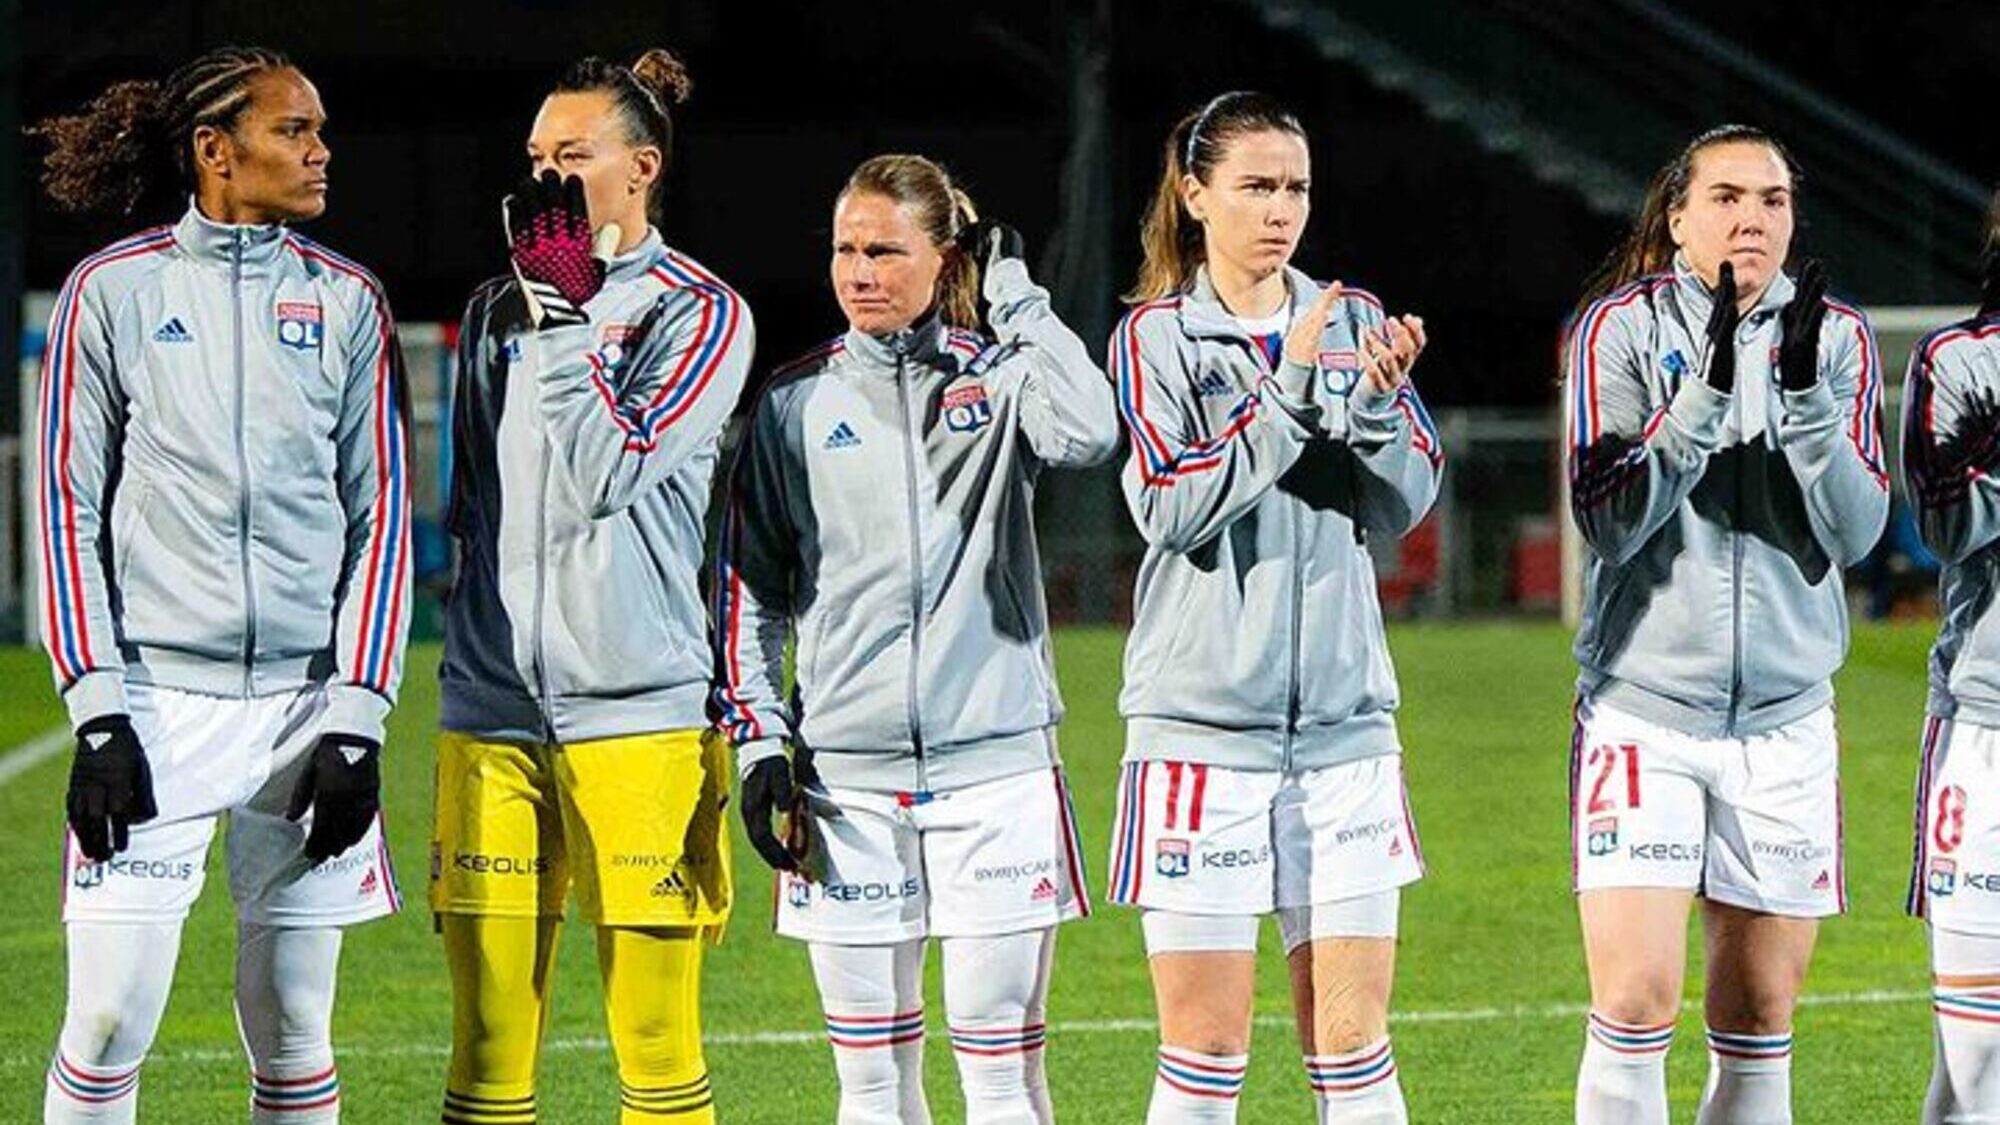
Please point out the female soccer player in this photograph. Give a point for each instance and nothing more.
(1273, 428)
(882, 511)
(224, 526)
(593, 387)
(1951, 471)
(1725, 464)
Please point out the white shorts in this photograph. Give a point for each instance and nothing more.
(998, 857)
(210, 755)
(1752, 822)
(1955, 878)
(1201, 839)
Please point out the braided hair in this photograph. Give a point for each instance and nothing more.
(131, 148)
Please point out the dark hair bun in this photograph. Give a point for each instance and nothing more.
(665, 75)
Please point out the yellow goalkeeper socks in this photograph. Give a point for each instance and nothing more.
(652, 1002)
(499, 991)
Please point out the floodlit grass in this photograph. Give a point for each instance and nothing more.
(1489, 996)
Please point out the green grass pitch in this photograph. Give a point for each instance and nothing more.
(1490, 988)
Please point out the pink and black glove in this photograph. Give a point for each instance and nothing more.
(559, 264)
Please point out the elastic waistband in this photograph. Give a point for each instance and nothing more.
(948, 766)
(1151, 738)
(1704, 722)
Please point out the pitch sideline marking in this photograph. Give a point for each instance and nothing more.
(1075, 1027)
(32, 753)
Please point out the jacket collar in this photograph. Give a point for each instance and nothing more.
(922, 342)
(1694, 293)
(635, 262)
(1204, 315)
(227, 243)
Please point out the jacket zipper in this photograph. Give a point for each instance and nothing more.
(542, 580)
(242, 469)
(1736, 576)
(916, 566)
(1292, 677)
(1298, 614)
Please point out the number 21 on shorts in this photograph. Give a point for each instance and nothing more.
(1605, 758)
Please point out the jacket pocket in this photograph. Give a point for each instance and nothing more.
(128, 517)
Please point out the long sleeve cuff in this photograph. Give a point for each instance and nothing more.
(1699, 411)
(95, 695)
(750, 753)
(356, 711)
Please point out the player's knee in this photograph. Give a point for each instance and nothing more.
(103, 1035)
(656, 1049)
(1767, 1015)
(1346, 1035)
(1644, 1000)
(1211, 1041)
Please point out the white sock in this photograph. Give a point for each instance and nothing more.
(1358, 1087)
(996, 991)
(284, 1011)
(119, 977)
(1965, 1078)
(873, 996)
(1749, 1079)
(1623, 1079)
(1191, 1088)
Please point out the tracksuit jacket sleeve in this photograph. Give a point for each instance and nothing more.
(1957, 507)
(620, 428)
(1400, 456)
(1067, 414)
(1831, 434)
(1631, 463)
(756, 568)
(1185, 486)
(80, 425)
(372, 610)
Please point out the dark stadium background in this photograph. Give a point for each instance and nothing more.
(1473, 161)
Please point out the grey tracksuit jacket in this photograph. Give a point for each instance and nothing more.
(1257, 638)
(223, 501)
(1718, 524)
(1958, 513)
(882, 511)
(583, 457)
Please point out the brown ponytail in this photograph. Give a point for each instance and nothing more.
(641, 95)
(1649, 247)
(130, 149)
(1170, 240)
(942, 211)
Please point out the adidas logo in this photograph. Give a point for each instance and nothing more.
(842, 437)
(1045, 891)
(370, 883)
(173, 332)
(1823, 882)
(673, 886)
(1396, 847)
(1213, 384)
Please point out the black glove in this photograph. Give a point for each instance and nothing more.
(342, 785)
(1798, 352)
(559, 264)
(110, 786)
(993, 242)
(1722, 321)
(773, 786)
